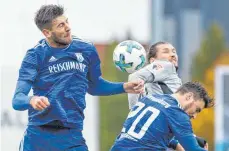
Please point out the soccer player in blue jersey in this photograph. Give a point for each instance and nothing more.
(160, 77)
(155, 119)
(60, 69)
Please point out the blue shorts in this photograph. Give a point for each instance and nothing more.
(43, 138)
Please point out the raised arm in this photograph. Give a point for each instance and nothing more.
(159, 70)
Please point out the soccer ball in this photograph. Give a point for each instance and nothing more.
(129, 56)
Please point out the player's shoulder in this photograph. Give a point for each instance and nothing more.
(38, 51)
(161, 64)
(80, 41)
(175, 110)
(82, 44)
(39, 48)
(40, 45)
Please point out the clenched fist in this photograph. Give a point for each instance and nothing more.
(134, 86)
(39, 102)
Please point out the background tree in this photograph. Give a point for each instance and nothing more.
(210, 54)
(212, 46)
(113, 109)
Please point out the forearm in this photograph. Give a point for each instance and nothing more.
(21, 99)
(189, 143)
(103, 87)
(143, 74)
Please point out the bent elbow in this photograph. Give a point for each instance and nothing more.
(91, 92)
(15, 106)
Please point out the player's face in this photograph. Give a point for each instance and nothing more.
(193, 107)
(60, 33)
(167, 52)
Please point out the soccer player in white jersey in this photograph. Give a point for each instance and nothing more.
(160, 77)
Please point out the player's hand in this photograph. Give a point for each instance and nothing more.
(206, 146)
(202, 142)
(179, 147)
(134, 86)
(39, 102)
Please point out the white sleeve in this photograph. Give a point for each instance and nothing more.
(133, 98)
(143, 74)
(160, 70)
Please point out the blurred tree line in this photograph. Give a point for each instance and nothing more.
(113, 109)
(212, 52)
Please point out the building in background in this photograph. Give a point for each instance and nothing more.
(184, 22)
(215, 11)
(180, 25)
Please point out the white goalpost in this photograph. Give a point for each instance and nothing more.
(222, 108)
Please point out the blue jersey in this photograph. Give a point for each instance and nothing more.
(152, 123)
(61, 75)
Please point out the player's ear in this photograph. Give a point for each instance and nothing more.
(189, 96)
(47, 33)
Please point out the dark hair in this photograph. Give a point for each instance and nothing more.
(153, 50)
(45, 15)
(199, 92)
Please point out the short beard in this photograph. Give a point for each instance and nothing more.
(58, 41)
(188, 106)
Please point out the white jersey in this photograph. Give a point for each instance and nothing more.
(160, 77)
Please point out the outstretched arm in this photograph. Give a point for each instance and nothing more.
(99, 86)
(159, 70)
(104, 87)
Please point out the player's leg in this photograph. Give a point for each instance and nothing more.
(46, 138)
(66, 139)
(125, 144)
(34, 140)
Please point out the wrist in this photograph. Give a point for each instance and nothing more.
(124, 86)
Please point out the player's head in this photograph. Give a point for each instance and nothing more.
(54, 25)
(163, 50)
(193, 98)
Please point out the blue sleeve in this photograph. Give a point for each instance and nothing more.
(94, 71)
(189, 143)
(173, 143)
(21, 99)
(104, 87)
(27, 75)
(29, 67)
(97, 85)
(181, 127)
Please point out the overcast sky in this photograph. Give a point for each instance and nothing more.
(96, 20)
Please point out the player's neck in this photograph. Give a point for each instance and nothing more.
(54, 44)
(178, 98)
